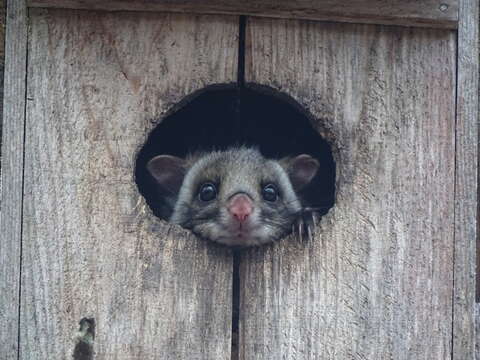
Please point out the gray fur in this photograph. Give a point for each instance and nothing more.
(237, 170)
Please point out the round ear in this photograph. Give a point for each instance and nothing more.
(301, 170)
(169, 172)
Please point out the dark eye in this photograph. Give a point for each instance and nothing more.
(207, 192)
(270, 193)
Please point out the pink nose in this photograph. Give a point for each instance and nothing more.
(240, 206)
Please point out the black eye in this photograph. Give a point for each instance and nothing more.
(207, 192)
(270, 193)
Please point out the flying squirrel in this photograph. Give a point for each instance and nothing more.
(235, 197)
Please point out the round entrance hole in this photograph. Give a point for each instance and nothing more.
(219, 118)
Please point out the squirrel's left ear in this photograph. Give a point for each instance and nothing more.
(300, 169)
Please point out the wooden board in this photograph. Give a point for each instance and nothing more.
(92, 249)
(477, 332)
(377, 280)
(466, 199)
(430, 13)
(12, 176)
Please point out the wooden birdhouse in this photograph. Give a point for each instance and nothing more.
(87, 269)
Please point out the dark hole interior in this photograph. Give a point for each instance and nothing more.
(220, 117)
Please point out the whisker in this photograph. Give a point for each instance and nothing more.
(313, 209)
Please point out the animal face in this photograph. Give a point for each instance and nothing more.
(235, 197)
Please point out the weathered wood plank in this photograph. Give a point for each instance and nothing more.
(92, 248)
(430, 13)
(466, 182)
(3, 13)
(12, 175)
(477, 331)
(377, 280)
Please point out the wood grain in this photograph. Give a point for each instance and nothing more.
(92, 247)
(429, 13)
(466, 182)
(376, 282)
(12, 176)
(477, 331)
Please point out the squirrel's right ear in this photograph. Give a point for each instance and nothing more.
(169, 172)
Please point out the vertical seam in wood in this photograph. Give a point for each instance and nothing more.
(240, 73)
(454, 196)
(12, 173)
(477, 240)
(241, 51)
(236, 254)
(235, 305)
(23, 185)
